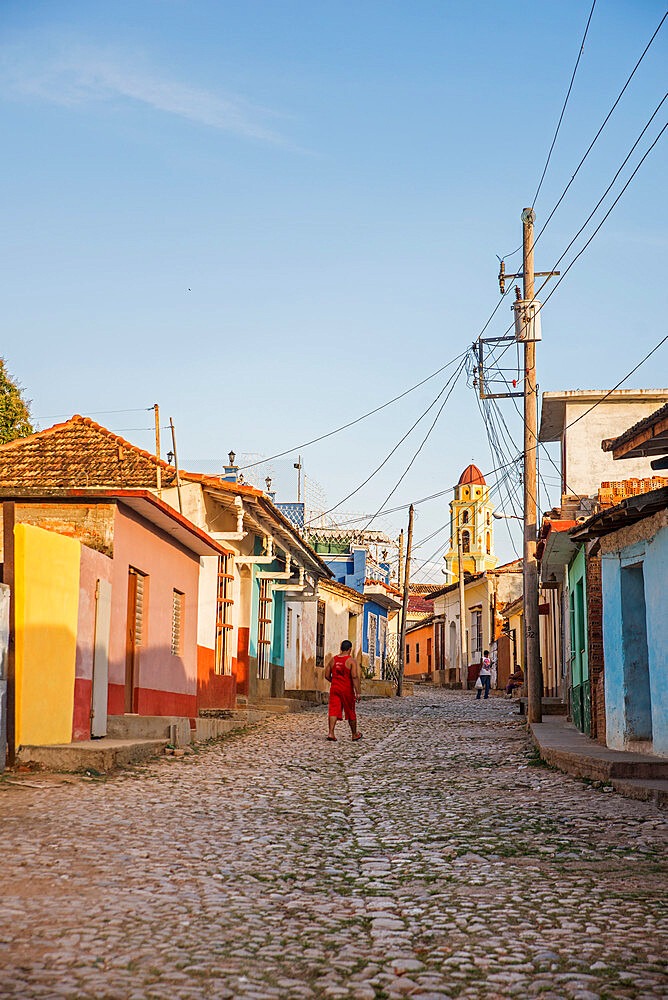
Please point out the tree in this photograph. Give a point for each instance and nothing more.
(14, 409)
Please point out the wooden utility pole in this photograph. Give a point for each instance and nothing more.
(404, 607)
(463, 665)
(530, 573)
(176, 466)
(158, 470)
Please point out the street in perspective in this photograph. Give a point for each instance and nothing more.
(334, 501)
(437, 859)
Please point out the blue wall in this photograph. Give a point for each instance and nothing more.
(629, 699)
(371, 608)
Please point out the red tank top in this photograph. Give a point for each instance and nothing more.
(342, 679)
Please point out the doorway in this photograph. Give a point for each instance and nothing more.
(134, 638)
(637, 693)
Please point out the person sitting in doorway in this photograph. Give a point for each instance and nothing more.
(516, 680)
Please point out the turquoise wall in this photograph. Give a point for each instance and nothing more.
(276, 636)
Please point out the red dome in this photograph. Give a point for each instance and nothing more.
(471, 476)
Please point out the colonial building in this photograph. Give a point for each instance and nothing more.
(471, 514)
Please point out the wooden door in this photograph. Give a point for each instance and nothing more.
(134, 638)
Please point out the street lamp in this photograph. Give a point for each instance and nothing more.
(507, 517)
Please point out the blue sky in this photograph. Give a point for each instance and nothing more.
(271, 216)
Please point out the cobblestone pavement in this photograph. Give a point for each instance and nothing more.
(432, 859)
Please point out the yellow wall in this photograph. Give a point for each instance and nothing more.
(47, 606)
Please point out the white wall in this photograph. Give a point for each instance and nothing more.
(587, 465)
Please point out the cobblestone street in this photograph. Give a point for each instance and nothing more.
(433, 859)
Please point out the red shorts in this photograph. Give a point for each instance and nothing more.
(340, 703)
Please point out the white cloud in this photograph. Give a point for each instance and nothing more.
(87, 77)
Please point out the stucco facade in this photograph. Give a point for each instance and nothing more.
(580, 420)
(634, 577)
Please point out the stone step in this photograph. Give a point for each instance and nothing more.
(173, 728)
(91, 755)
(565, 747)
(644, 789)
(280, 706)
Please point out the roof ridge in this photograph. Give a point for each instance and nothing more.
(78, 418)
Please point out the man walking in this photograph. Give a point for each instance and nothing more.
(485, 675)
(344, 675)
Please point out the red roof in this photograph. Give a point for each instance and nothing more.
(417, 603)
(471, 476)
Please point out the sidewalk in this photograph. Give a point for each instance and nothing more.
(640, 776)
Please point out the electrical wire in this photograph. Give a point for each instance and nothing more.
(563, 110)
(596, 137)
(452, 379)
(351, 423)
(420, 447)
(495, 361)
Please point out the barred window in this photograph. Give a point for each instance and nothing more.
(264, 631)
(224, 602)
(178, 606)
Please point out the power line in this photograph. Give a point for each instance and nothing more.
(420, 447)
(596, 137)
(605, 122)
(563, 110)
(96, 413)
(357, 420)
(389, 455)
(415, 503)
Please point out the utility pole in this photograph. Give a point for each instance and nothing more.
(158, 470)
(530, 566)
(463, 671)
(176, 466)
(404, 607)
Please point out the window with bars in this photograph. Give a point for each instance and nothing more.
(178, 608)
(264, 631)
(320, 635)
(373, 633)
(417, 652)
(140, 593)
(224, 602)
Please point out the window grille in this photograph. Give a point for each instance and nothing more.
(264, 631)
(224, 602)
(417, 652)
(320, 635)
(178, 603)
(139, 607)
(373, 632)
(408, 653)
(288, 628)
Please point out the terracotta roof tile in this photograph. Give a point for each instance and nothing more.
(79, 453)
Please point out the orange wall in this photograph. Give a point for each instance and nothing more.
(424, 637)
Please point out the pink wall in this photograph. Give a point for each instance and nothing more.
(167, 683)
(94, 566)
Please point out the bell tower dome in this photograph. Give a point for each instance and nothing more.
(471, 514)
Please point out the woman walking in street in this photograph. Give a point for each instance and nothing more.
(344, 675)
(485, 675)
